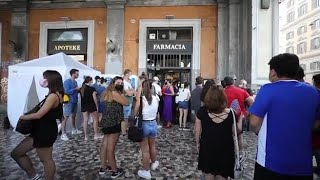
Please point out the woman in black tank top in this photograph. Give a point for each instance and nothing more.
(44, 129)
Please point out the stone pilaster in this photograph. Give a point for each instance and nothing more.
(223, 38)
(234, 34)
(115, 34)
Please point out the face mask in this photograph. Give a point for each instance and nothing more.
(99, 83)
(241, 86)
(119, 87)
(43, 83)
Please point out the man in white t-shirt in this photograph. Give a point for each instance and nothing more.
(157, 90)
(129, 92)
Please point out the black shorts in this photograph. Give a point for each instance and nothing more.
(112, 130)
(41, 141)
(262, 173)
(89, 109)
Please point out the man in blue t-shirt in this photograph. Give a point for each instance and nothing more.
(283, 115)
(70, 109)
(316, 132)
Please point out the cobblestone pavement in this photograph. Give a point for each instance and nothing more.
(79, 159)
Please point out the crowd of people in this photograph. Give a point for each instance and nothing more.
(284, 115)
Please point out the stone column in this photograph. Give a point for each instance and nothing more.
(223, 39)
(19, 34)
(234, 34)
(245, 41)
(115, 33)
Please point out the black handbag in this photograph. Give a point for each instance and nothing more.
(25, 127)
(135, 132)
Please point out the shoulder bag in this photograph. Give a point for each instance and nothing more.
(135, 132)
(25, 126)
(238, 168)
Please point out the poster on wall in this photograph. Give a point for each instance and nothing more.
(134, 80)
(109, 77)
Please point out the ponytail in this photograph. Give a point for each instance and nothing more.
(87, 79)
(82, 89)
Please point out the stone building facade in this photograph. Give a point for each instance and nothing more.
(120, 34)
(300, 33)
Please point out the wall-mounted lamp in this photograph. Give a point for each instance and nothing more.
(170, 17)
(265, 4)
(111, 46)
(66, 20)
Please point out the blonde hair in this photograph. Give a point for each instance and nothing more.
(107, 94)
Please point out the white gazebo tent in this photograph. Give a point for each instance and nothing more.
(24, 91)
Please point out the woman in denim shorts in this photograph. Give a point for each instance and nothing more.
(149, 105)
(183, 104)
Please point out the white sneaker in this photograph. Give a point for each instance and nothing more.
(36, 177)
(98, 137)
(154, 165)
(243, 157)
(64, 137)
(159, 126)
(59, 128)
(144, 174)
(76, 131)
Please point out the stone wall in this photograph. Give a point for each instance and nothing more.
(208, 16)
(99, 16)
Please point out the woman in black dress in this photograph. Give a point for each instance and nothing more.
(44, 129)
(89, 107)
(214, 136)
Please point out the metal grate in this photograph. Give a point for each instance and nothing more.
(169, 61)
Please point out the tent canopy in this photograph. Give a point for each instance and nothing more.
(24, 91)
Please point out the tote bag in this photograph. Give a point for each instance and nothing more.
(135, 132)
(25, 126)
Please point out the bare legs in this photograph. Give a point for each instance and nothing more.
(152, 149)
(144, 145)
(183, 116)
(180, 117)
(85, 124)
(94, 115)
(64, 122)
(239, 127)
(148, 148)
(45, 155)
(112, 140)
(103, 152)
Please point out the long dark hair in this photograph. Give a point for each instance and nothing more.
(55, 83)
(87, 79)
(146, 89)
